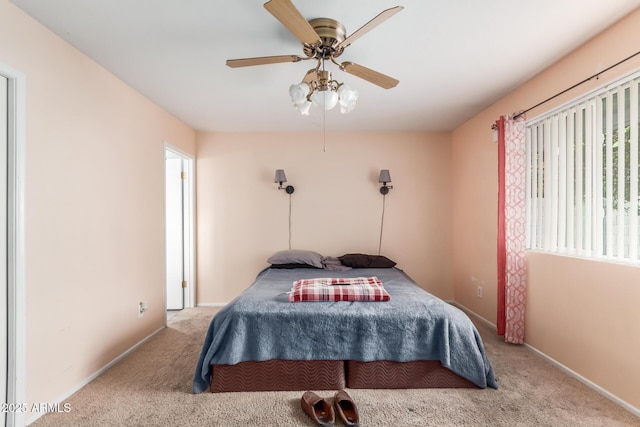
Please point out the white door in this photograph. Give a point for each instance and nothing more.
(4, 84)
(174, 211)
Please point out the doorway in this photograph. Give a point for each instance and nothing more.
(4, 308)
(179, 229)
(12, 253)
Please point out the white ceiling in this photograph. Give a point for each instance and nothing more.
(453, 57)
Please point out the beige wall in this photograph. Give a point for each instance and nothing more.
(584, 314)
(94, 208)
(336, 207)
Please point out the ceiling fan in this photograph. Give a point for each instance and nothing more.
(323, 39)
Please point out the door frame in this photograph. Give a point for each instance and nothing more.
(188, 206)
(16, 281)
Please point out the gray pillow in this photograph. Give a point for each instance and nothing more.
(296, 256)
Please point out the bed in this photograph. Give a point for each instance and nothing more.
(262, 341)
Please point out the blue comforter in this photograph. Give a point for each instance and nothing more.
(262, 324)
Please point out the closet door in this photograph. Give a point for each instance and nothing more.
(174, 210)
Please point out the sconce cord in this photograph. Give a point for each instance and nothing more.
(384, 196)
(289, 221)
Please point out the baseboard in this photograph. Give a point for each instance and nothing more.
(211, 304)
(95, 375)
(586, 382)
(562, 367)
(474, 314)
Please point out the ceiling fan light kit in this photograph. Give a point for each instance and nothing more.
(322, 39)
(323, 92)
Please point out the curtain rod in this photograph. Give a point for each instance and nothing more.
(597, 75)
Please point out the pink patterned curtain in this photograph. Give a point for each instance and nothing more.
(512, 287)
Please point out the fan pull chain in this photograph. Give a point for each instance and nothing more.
(324, 130)
(324, 123)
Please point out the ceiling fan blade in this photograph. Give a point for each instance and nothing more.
(369, 75)
(383, 16)
(262, 60)
(285, 12)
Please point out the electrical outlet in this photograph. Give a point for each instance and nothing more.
(142, 308)
(479, 291)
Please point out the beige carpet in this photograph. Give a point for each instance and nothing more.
(152, 387)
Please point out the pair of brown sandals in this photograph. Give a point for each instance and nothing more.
(322, 413)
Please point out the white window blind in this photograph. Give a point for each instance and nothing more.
(582, 176)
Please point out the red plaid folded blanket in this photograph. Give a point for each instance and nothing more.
(339, 289)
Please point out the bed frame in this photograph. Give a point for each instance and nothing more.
(295, 375)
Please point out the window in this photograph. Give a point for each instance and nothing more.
(582, 177)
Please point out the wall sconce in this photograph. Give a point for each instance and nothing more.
(280, 178)
(384, 178)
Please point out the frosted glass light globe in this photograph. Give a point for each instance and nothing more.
(325, 98)
(348, 98)
(304, 107)
(299, 93)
